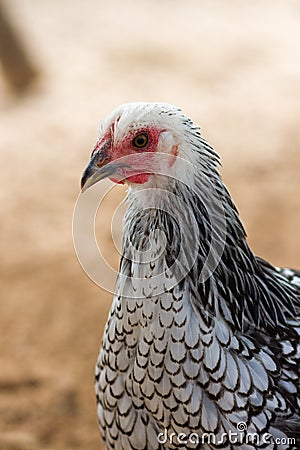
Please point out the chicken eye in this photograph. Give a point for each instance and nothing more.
(140, 140)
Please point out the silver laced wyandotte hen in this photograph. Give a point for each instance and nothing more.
(201, 347)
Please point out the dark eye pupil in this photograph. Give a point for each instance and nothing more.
(140, 140)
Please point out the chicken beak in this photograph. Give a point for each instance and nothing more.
(95, 170)
(99, 167)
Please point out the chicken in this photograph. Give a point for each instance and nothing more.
(201, 347)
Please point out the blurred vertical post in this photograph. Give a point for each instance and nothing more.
(17, 67)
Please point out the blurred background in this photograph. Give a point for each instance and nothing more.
(233, 66)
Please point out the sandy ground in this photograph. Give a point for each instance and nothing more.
(233, 66)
